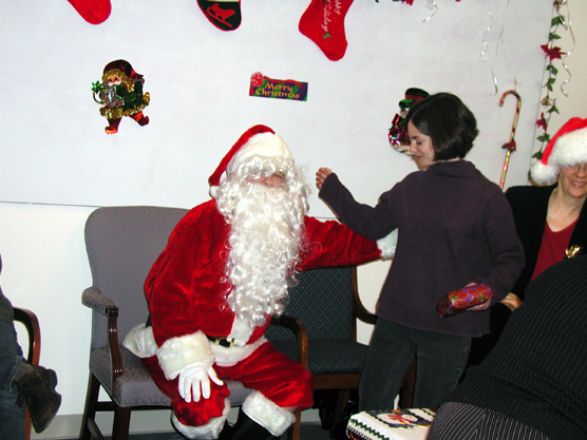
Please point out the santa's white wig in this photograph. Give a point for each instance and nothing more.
(266, 227)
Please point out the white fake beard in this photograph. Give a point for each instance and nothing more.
(265, 237)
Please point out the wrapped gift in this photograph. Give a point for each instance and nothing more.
(397, 424)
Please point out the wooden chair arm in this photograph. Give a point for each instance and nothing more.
(94, 299)
(29, 319)
(363, 314)
(359, 309)
(296, 326)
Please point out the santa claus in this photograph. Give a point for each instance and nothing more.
(222, 276)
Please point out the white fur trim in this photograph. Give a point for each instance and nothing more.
(177, 353)
(266, 413)
(209, 431)
(140, 341)
(241, 331)
(570, 149)
(543, 174)
(229, 356)
(387, 245)
(262, 144)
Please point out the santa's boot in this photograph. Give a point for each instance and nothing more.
(245, 429)
(140, 118)
(36, 388)
(112, 126)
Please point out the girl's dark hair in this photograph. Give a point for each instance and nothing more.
(449, 123)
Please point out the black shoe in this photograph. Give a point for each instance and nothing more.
(245, 429)
(36, 388)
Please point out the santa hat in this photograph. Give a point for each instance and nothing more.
(121, 66)
(258, 140)
(567, 147)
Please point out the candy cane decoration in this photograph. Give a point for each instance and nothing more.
(511, 145)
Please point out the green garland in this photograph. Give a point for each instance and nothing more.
(552, 53)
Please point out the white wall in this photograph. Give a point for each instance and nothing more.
(42, 248)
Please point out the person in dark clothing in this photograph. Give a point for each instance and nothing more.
(21, 382)
(551, 221)
(455, 229)
(532, 385)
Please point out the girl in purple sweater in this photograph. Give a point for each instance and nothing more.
(455, 230)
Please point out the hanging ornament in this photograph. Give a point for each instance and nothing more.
(121, 94)
(510, 146)
(224, 14)
(93, 11)
(323, 23)
(397, 133)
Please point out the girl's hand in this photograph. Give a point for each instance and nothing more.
(321, 175)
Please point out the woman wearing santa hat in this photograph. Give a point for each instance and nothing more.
(551, 219)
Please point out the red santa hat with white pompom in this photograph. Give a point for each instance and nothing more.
(567, 147)
(258, 140)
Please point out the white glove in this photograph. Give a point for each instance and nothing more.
(194, 382)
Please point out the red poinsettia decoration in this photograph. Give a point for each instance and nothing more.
(541, 122)
(553, 53)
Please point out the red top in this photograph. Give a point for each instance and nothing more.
(552, 247)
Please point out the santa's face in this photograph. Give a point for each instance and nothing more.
(275, 180)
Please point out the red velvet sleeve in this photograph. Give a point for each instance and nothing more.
(330, 243)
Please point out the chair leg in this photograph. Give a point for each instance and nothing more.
(295, 430)
(343, 398)
(121, 423)
(90, 406)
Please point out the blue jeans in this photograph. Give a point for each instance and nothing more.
(441, 360)
(11, 414)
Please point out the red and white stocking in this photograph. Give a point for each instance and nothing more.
(224, 14)
(323, 23)
(93, 11)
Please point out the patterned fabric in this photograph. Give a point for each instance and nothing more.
(323, 301)
(459, 421)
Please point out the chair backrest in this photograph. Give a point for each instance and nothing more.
(122, 244)
(323, 300)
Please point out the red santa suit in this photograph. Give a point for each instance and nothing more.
(186, 291)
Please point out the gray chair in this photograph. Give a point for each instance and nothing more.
(122, 243)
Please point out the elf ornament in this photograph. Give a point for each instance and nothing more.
(121, 94)
(93, 11)
(323, 23)
(224, 14)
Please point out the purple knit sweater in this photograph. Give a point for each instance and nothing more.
(455, 227)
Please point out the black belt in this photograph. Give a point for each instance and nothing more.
(223, 342)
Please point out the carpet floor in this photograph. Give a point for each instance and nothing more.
(310, 431)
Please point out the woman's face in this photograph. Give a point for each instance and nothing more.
(420, 147)
(573, 180)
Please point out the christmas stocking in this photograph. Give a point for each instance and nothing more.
(93, 11)
(323, 23)
(224, 14)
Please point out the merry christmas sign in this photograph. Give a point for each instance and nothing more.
(266, 87)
